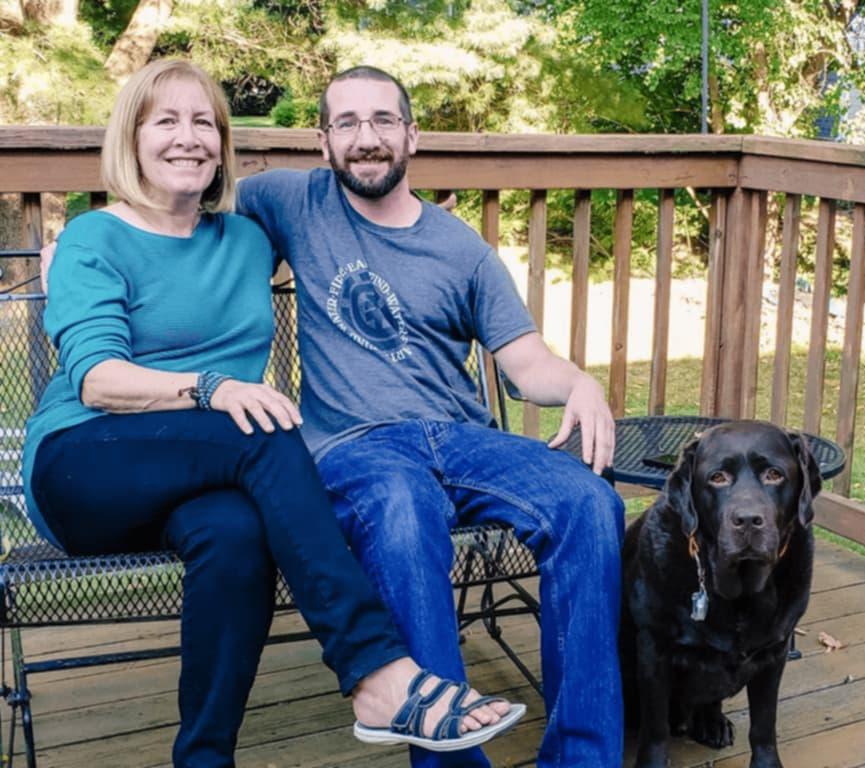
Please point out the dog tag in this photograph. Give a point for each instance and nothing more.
(699, 605)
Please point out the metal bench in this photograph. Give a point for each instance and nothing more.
(40, 586)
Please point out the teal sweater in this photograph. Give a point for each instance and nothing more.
(169, 303)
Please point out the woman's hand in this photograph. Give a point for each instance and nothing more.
(242, 400)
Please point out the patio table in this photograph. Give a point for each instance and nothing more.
(646, 447)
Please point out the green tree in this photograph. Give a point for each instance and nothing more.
(774, 64)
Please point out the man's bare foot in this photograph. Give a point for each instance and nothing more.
(379, 696)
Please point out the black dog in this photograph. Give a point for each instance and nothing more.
(716, 574)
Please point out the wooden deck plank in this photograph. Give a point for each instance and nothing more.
(124, 716)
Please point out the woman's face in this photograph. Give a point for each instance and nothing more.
(179, 144)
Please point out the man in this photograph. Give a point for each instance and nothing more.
(391, 291)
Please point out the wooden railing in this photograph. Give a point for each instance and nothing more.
(739, 172)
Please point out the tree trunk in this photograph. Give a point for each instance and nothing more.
(51, 11)
(133, 48)
(11, 16)
(716, 109)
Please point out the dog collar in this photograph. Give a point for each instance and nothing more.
(699, 599)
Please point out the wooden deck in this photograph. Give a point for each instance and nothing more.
(125, 717)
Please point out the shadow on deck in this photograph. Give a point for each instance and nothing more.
(125, 716)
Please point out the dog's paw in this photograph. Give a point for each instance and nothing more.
(653, 755)
(709, 726)
(765, 757)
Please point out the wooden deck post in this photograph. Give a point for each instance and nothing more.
(756, 247)
(786, 302)
(851, 354)
(819, 317)
(714, 299)
(582, 233)
(535, 292)
(621, 294)
(490, 233)
(663, 275)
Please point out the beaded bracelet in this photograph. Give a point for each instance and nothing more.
(206, 385)
(204, 388)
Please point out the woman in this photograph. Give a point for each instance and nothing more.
(160, 310)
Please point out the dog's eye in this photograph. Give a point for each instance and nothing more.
(773, 476)
(719, 478)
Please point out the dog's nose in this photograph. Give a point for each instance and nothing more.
(748, 518)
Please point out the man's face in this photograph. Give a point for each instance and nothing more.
(371, 159)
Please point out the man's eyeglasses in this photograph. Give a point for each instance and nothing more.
(382, 122)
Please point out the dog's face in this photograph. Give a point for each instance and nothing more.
(741, 488)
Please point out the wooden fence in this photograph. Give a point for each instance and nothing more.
(738, 172)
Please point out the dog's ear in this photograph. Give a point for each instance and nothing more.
(811, 480)
(678, 489)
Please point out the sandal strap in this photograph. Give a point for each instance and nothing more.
(448, 726)
(481, 701)
(411, 715)
(410, 718)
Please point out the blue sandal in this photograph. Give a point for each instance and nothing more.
(407, 725)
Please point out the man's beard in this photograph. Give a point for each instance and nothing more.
(372, 190)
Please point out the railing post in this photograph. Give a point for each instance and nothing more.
(786, 302)
(731, 357)
(582, 232)
(535, 292)
(37, 345)
(819, 317)
(756, 248)
(621, 295)
(490, 233)
(851, 354)
(714, 302)
(663, 275)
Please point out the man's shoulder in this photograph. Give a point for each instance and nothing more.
(445, 224)
(281, 180)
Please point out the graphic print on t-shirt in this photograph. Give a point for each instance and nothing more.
(363, 305)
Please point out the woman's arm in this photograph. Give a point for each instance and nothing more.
(118, 386)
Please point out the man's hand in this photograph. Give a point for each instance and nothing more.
(46, 256)
(242, 400)
(587, 407)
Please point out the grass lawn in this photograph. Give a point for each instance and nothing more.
(252, 121)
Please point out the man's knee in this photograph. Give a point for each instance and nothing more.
(399, 523)
(582, 509)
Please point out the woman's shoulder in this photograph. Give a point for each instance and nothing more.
(88, 228)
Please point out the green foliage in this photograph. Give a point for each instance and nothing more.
(53, 75)
(107, 19)
(769, 59)
(470, 66)
(284, 114)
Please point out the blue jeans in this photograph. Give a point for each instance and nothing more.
(234, 507)
(399, 489)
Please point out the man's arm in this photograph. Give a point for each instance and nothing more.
(547, 379)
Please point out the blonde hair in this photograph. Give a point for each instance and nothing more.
(121, 173)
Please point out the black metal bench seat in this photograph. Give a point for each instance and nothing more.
(40, 586)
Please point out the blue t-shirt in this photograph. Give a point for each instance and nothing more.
(386, 315)
(170, 303)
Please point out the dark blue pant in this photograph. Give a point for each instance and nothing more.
(233, 507)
